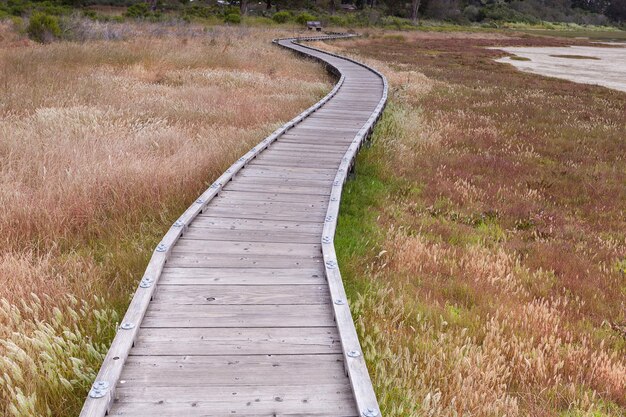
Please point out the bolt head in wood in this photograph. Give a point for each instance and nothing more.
(370, 412)
(99, 389)
(331, 264)
(146, 282)
(161, 248)
(127, 326)
(329, 218)
(354, 353)
(199, 201)
(178, 223)
(339, 302)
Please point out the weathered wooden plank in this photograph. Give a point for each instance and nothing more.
(230, 203)
(234, 294)
(290, 189)
(328, 129)
(323, 157)
(295, 162)
(333, 138)
(278, 210)
(213, 222)
(194, 260)
(293, 170)
(312, 215)
(234, 341)
(312, 156)
(260, 171)
(239, 370)
(261, 196)
(314, 122)
(332, 143)
(247, 248)
(334, 149)
(279, 400)
(313, 315)
(251, 235)
(235, 276)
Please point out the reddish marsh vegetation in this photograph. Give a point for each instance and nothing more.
(102, 145)
(489, 274)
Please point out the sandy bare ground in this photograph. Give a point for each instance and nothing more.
(589, 65)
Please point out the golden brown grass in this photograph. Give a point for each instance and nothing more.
(102, 145)
(483, 239)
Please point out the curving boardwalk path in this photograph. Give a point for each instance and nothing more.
(242, 310)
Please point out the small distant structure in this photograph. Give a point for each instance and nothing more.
(314, 24)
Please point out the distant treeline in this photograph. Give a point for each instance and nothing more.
(586, 12)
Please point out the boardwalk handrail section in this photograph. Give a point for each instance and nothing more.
(102, 392)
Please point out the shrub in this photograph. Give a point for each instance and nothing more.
(138, 10)
(16, 8)
(503, 13)
(281, 17)
(232, 10)
(43, 28)
(91, 14)
(232, 18)
(472, 13)
(305, 17)
(202, 12)
(396, 22)
(18, 24)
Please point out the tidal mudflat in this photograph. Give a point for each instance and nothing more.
(605, 66)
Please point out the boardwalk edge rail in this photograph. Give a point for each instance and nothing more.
(102, 392)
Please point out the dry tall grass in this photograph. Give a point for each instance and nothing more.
(487, 274)
(102, 145)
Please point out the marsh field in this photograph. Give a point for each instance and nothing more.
(482, 238)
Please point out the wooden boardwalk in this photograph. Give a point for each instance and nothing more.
(242, 310)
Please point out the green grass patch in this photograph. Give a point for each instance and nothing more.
(358, 234)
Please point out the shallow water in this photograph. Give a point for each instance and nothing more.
(589, 65)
